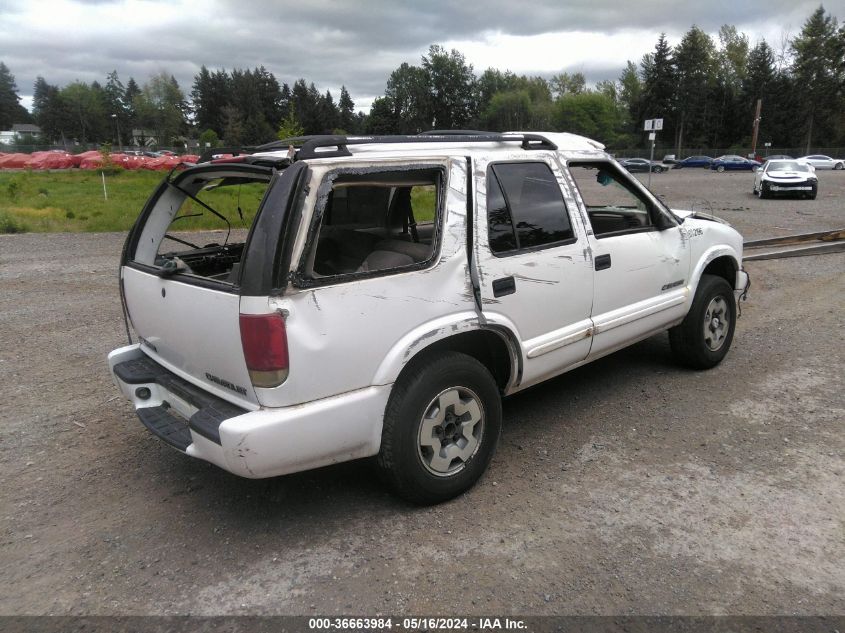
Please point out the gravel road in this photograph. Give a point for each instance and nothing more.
(629, 486)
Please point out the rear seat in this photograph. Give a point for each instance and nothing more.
(352, 250)
(416, 251)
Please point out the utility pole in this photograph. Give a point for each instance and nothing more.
(117, 124)
(756, 128)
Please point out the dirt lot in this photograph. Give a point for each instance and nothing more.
(626, 487)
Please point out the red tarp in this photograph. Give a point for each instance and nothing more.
(14, 161)
(50, 160)
(90, 160)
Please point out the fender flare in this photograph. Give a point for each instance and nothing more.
(422, 337)
(711, 254)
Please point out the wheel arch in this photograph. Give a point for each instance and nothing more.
(493, 346)
(720, 261)
(723, 266)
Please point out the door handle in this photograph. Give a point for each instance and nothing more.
(602, 262)
(504, 286)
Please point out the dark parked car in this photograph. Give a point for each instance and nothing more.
(694, 161)
(732, 162)
(641, 165)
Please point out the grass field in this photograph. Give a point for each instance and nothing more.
(73, 201)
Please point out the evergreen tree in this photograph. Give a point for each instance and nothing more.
(11, 110)
(49, 110)
(329, 113)
(130, 96)
(347, 112)
(693, 60)
(818, 68)
(659, 82)
(115, 107)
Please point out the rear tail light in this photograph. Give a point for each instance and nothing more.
(265, 343)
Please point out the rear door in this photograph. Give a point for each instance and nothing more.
(534, 270)
(182, 287)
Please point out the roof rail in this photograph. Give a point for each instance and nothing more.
(210, 152)
(456, 133)
(311, 145)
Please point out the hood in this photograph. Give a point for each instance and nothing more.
(683, 214)
(789, 174)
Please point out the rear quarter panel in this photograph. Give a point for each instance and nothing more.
(357, 333)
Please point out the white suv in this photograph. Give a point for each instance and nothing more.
(390, 290)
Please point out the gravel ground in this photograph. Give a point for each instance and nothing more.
(628, 486)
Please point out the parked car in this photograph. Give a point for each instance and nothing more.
(732, 162)
(786, 177)
(392, 289)
(642, 165)
(694, 161)
(778, 157)
(669, 159)
(820, 161)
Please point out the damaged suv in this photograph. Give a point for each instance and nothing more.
(381, 294)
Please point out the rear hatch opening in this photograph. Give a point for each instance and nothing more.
(183, 274)
(197, 223)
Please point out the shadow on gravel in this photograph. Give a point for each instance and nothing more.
(346, 492)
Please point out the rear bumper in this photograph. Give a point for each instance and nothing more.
(254, 444)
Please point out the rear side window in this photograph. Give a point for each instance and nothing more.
(375, 221)
(525, 208)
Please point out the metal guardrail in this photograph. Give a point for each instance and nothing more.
(800, 245)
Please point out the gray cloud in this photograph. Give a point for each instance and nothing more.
(332, 42)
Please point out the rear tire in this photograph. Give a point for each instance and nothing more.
(704, 337)
(441, 427)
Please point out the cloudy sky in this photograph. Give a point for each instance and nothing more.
(358, 44)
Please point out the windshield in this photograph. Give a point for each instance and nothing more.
(787, 165)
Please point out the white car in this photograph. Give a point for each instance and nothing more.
(786, 177)
(390, 290)
(820, 161)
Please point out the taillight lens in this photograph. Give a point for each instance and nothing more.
(265, 343)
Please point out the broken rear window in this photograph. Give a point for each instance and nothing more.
(199, 224)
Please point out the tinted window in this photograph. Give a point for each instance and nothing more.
(499, 226)
(525, 207)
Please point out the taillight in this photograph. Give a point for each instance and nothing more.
(265, 344)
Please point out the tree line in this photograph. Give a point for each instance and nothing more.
(704, 89)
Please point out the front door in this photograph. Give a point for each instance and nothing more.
(640, 255)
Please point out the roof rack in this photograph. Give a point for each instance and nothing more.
(309, 145)
(210, 152)
(456, 133)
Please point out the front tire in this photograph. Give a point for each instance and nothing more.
(720, 168)
(704, 337)
(441, 427)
